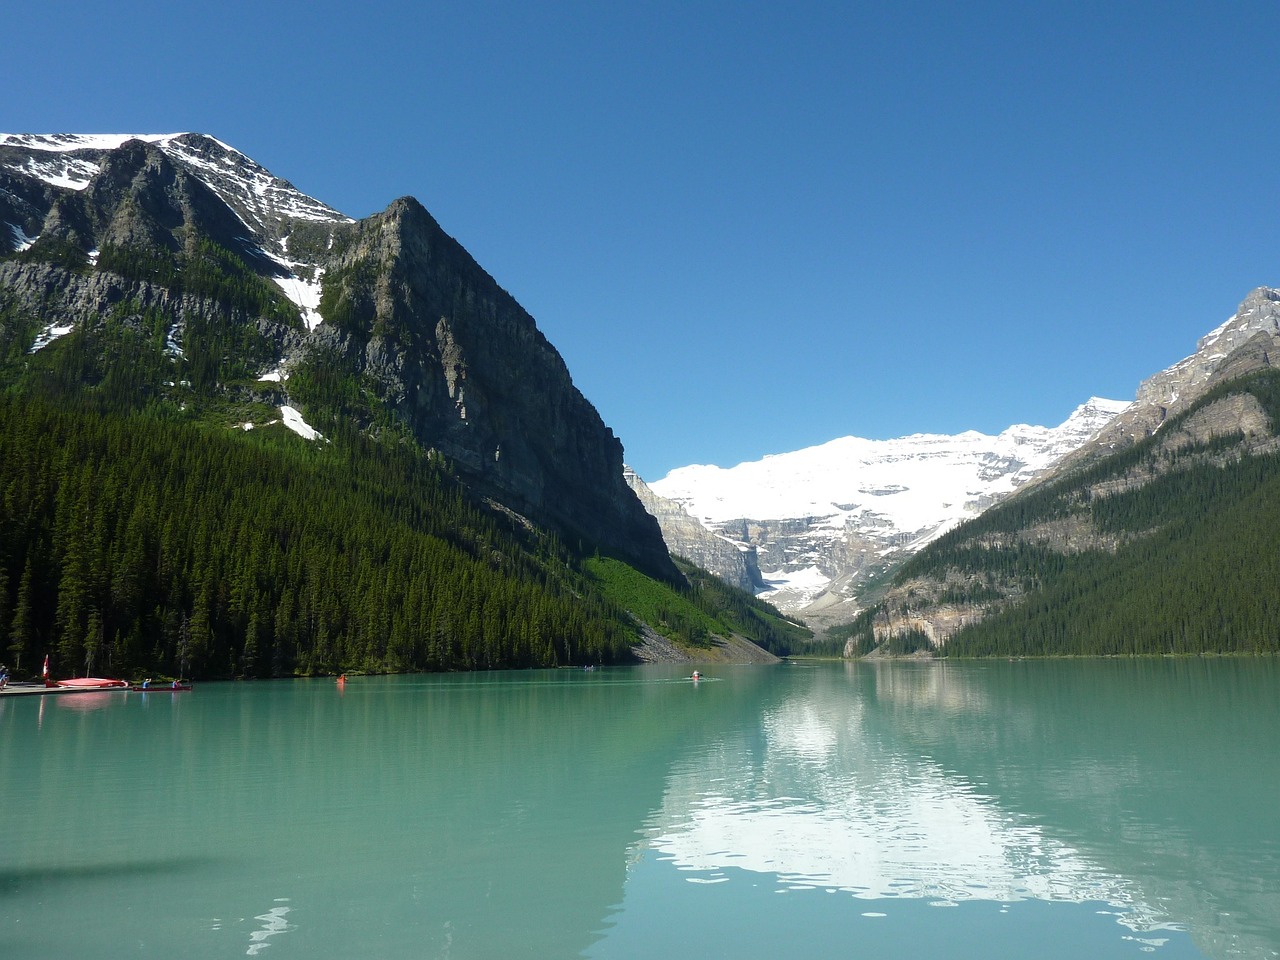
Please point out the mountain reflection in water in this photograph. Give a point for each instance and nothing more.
(1055, 809)
(1064, 783)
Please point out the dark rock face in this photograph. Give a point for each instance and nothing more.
(469, 370)
(139, 198)
(454, 356)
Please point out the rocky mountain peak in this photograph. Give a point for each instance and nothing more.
(1174, 483)
(1094, 414)
(401, 324)
(147, 200)
(459, 359)
(261, 199)
(1174, 387)
(261, 203)
(1248, 340)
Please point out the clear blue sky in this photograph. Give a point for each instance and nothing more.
(751, 227)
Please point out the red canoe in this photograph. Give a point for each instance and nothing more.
(91, 683)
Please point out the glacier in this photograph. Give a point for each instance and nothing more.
(824, 518)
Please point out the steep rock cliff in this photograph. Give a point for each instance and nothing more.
(733, 562)
(460, 360)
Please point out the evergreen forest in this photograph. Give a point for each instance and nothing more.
(145, 532)
(1185, 560)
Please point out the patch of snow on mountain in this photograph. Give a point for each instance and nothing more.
(66, 142)
(304, 293)
(244, 184)
(802, 585)
(69, 172)
(293, 420)
(49, 334)
(20, 238)
(54, 167)
(1212, 337)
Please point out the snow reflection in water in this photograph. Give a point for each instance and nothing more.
(273, 922)
(820, 803)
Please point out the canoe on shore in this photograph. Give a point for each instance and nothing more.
(91, 683)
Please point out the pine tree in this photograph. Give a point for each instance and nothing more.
(22, 636)
(92, 643)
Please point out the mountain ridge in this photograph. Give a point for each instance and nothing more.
(823, 522)
(420, 333)
(247, 436)
(1157, 536)
(1245, 341)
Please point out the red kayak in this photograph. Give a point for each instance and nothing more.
(91, 683)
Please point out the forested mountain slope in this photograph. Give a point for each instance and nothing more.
(385, 325)
(243, 435)
(1169, 546)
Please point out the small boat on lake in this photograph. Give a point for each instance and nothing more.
(91, 683)
(150, 687)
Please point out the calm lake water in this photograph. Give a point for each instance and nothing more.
(896, 810)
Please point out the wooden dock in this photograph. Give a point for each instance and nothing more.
(39, 690)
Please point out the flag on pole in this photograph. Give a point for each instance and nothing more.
(45, 672)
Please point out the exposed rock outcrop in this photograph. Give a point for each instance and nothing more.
(1249, 340)
(462, 362)
(735, 563)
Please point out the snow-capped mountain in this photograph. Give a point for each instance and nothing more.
(261, 199)
(267, 206)
(825, 519)
(192, 249)
(1206, 434)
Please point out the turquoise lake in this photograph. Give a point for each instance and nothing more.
(895, 810)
